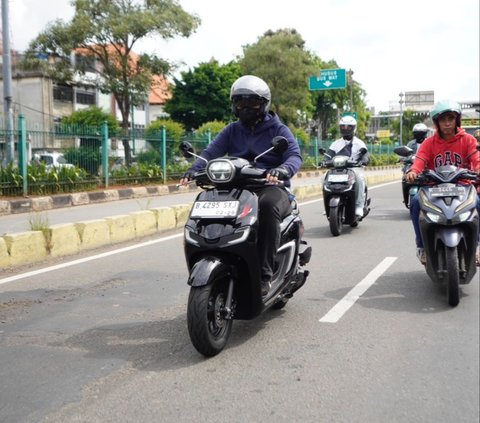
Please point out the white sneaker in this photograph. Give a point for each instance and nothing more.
(359, 211)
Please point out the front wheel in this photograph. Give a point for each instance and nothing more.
(208, 328)
(453, 277)
(336, 220)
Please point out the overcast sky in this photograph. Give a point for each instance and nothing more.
(391, 46)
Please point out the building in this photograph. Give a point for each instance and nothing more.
(43, 102)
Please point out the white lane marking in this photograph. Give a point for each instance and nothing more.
(87, 259)
(356, 292)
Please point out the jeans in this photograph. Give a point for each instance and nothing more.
(274, 205)
(415, 214)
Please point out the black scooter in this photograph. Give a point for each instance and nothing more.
(221, 251)
(339, 192)
(406, 157)
(449, 225)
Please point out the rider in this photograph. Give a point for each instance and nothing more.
(349, 145)
(248, 137)
(449, 145)
(420, 132)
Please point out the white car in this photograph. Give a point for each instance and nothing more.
(52, 160)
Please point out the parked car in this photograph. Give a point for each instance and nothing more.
(52, 160)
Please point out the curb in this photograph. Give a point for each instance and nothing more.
(66, 239)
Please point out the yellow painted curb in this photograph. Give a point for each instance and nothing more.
(26, 247)
(144, 222)
(93, 233)
(63, 240)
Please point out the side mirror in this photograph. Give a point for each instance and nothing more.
(280, 144)
(403, 151)
(186, 149)
(363, 151)
(322, 150)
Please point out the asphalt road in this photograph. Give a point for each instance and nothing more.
(102, 337)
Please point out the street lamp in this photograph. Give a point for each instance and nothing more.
(401, 117)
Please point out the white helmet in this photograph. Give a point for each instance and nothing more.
(348, 126)
(420, 132)
(250, 85)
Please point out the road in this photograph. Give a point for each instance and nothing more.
(102, 337)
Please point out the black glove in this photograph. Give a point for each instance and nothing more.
(189, 174)
(279, 172)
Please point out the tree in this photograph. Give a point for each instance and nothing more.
(106, 31)
(203, 94)
(281, 60)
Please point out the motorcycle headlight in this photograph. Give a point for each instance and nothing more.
(435, 218)
(428, 204)
(471, 200)
(220, 171)
(464, 216)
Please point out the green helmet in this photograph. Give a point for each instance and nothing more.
(446, 106)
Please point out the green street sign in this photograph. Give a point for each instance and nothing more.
(328, 79)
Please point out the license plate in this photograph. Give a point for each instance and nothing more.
(337, 178)
(447, 191)
(214, 209)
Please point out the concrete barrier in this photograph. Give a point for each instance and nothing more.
(4, 255)
(145, 222)
(63, 240)
(165, 218)
(182, 211)
(93, 233)
(26, 247)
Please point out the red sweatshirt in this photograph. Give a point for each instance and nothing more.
(460, 151)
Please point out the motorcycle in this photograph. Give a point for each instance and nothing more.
(406, 157)
(449, 224)
(221, 251)
(339, 193)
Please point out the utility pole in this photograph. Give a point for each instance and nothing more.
(401, 117)
(350, 83)
(7, 85)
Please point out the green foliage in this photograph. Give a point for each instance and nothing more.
(173, 129)
(383, 160)
(92, 117)
(149, 157)
(85, 158)
(301, 135)
(142, 171)
(214, 127)
(202, 95)
(41, 180)
(281, 60)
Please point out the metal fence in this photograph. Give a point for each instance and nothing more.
(91, 157)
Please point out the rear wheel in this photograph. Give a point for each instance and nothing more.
(208, 328)
(336, 220)
(453, 278)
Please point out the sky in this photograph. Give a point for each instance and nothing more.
(391, 46)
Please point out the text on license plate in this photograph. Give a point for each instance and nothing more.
(214, 209)
(447, 191)
(337, 178)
